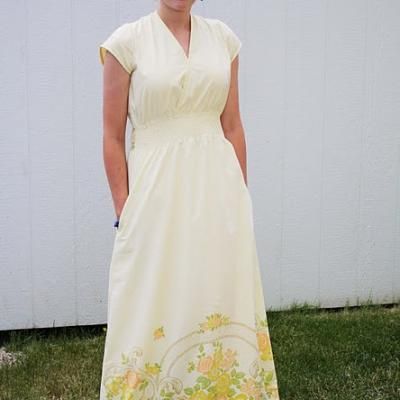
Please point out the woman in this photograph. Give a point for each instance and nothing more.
(186, 311)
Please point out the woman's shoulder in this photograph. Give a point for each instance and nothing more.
(126, 32)
(122, 42)
(216, 24)
(133, 26)
(224, 32)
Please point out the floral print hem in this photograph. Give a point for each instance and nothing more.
(214, 367)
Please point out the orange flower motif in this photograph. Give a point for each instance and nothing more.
(227, 363)
(205, 364)
(158, 333)
(230, 353)
(264, 346)
(262, 340)
(229, 360)
(133, 379)
(250, 388)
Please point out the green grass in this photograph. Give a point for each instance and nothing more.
(346, 354)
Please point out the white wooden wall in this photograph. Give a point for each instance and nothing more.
(320, 102)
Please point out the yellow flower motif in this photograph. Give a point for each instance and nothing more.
(113, 387)
(153, 369)
(133, 379)
(199, 395)
(218, 356)
(214, 321)
(158, 333)
(261, 321)
(223, 383)
(213, 373)
(240, 396)
(266, 355)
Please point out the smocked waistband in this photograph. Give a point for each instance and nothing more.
(178, 127)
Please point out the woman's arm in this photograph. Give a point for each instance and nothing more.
(231, 121)
(115, 108)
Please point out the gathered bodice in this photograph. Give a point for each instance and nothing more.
(165, 82)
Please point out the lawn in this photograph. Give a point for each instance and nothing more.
(336, 354)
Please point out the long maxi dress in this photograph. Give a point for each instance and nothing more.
(186, 309)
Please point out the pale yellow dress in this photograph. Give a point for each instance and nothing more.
(186, 310)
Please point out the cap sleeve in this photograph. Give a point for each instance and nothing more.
(120, 45)
(232, 41)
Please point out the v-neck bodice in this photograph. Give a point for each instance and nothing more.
(174, 38)
(165, 82)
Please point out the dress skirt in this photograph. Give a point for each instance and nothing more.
(186, 314)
